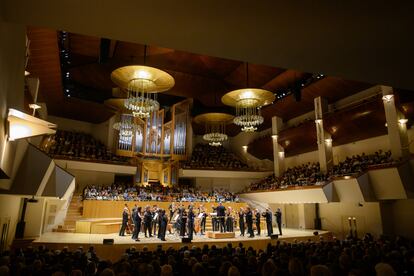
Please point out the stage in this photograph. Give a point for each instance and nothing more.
(58, 240)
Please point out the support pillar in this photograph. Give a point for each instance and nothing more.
(396, 125)
(324, 139)
(278, 150)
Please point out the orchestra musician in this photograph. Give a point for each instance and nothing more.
(171, 208)
(249, 221)
(221, 214)
(268, 217)
(190, 222)
(214, 219)
(155, 215)
(147, 221)
(183, 221)
(241, 221)
(203, 221)
(229, 220)
(137, 219)
(257, 221)
(124, 225)
(163, 221)
(278, 216)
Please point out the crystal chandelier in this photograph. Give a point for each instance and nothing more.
(142, 84)
(126, 127)
(248, 102)
(215, 127)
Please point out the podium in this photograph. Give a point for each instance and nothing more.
(220, 235)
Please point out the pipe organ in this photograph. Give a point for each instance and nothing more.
(159, 145)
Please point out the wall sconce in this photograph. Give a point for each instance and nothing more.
(403, 121)
(274, 137)
(244, 148)
(22, 125)
(318, 121)
(281, 154)
(387, 98)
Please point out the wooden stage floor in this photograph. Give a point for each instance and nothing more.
(58, 240)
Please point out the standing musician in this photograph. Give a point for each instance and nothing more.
(249, 221)
(183, 222)
(155, 214)
(124, 222)
(229, 221)
(203, 220)
(214, 219)
(278, 216)
(147, 221)
(241, 221)
(268, 217)
(257, 221)
(163, 221)
(221, 214)
(190, 222)
(171, 208)
(137, 219)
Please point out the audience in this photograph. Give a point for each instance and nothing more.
(208, 157)
(156, 193)
(310, 174)
(77, 145)
(334, 257)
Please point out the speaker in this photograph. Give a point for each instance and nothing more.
(315, 233)
(186, 240)
(274, 236)
(108, 241)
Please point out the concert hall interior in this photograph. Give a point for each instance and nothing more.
(162, 138)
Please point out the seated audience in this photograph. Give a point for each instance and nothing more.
(156, 193)
(77, 145)
(310, 174)
(336, 257)
(208, 157)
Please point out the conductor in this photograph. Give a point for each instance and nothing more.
(221, 213)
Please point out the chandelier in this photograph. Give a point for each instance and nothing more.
(126, 127)
(248, 102)
(142, 84)
(215, 127)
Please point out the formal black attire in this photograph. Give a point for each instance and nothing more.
(124, 223)
(203, 223)
(229, 223)
(257, 221)
(241, 224)
(147, 223)
(221, 213)
(183, 223)
(268, 218)
(190, 224)
(278, 216)
(249, 221)
(136, 218)
(163, 221)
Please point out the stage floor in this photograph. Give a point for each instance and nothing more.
(57, 237)
(58, 240)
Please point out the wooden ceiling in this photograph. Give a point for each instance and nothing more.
(204, 78)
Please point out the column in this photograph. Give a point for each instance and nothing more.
(324, 139)
(278, 150)
(396, 125)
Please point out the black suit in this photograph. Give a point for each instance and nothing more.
(124, 223)
(249, 221)
(136, 218)
(190, 224)
(278, 216)
(147, 223)
(163, 226)
(203, 223)
(268, 217)
(241, 223)
(257, 215)
(221, 213)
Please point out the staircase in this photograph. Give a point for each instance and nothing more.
(73, 214)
